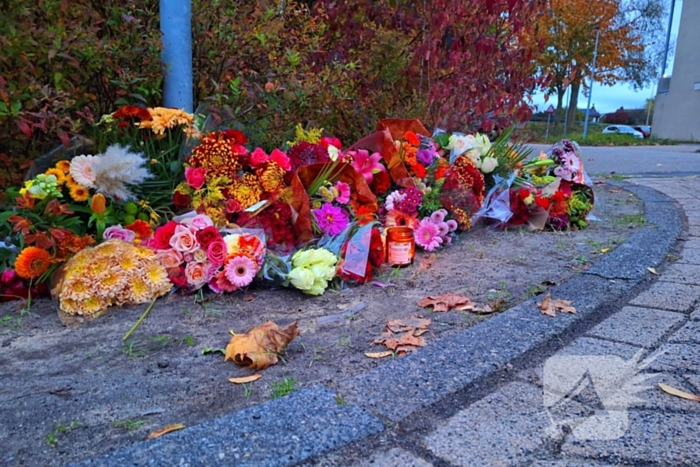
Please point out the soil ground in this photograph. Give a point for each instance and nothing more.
(69, 394)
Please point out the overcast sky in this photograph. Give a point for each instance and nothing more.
(610, 98)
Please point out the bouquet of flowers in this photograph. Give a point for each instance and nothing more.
(112, 273)
(194, 253)
(312, 270)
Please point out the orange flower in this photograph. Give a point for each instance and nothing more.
(98, 203)
(79, 193)
(32, 262)
(141, 228)
(63, 166)
(412, 138)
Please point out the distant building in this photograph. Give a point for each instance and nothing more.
(677, 106)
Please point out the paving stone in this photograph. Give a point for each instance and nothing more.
(677, 358)
(694, 381)
(501, 429)
(281, 432)
(689, 256)
(583, 346)
(691, 243)
(682, 273)
(695, 315)
(394, 458)
(668, 296)
(566, 463)
(638, 326)
(693, 218)
(689, 333)
(651, 438)
(651, 397)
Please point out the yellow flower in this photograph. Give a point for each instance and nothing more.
(79, 193)
(246, 190)
(272, 178)
(78, 289)
(63, 166)
(164, 119)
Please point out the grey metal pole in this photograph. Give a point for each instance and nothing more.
(668, 39)
(176, 26)
(590, 91)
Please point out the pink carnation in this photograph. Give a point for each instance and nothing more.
(343, 192)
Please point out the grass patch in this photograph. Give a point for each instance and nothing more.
(52, 438)
(534, 132)
(631, 220)
(282, 388)
(129, 424)
(137, 348)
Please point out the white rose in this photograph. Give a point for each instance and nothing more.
(459, 143)
(488, 164)
(482, 142)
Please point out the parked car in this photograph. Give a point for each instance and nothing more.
(622, 130)
(644, 129)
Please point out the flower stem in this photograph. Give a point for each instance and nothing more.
(140, 320)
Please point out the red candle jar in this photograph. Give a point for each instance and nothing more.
(400, 246)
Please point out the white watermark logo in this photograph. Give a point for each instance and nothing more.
(613, 380)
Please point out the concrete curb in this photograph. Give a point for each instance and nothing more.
(304, 424)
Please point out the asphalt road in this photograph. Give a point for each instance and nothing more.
(648, 161)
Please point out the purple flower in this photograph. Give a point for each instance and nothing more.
(425, 157)
(413, 197)
(331, 219)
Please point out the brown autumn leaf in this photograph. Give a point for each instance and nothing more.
(405, 339)
(258, 348)
(677, 392)
(549, 307)
(165, 430)
(445, 301)
(403, 325)
(386, 353)
(245, 379)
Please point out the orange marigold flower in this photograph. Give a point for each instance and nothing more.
(364, 215)
(141, 228)
(64, 166)
(32, 262)
(79, 193)
(271, 177)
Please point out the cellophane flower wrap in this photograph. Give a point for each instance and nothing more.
(112, 273)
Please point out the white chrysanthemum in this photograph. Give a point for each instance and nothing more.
(117, 168)
(81, 169)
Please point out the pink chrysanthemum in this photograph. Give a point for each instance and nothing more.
(427, 235)
(240, 270)
(452, 225)
(442, 228)
(331, 219)
(439, 215)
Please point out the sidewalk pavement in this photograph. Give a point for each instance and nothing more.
(520, 389)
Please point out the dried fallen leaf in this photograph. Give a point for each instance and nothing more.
(403, 325)
(248, 298)
(419, 332)
(445, 301)
(653, 271)
(402, 340)
(605, 250)
(549, 307)
(245, 379)
(386, 353)
(678, 392)
(165, 430)
(258, 348)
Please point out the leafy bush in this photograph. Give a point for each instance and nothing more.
(65, 63)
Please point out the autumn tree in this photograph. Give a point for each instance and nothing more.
(628, 47)
(471, 61)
